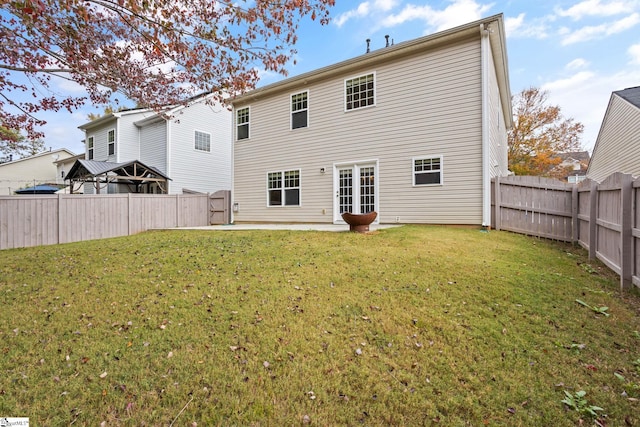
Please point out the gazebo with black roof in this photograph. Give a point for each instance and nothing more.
(135, 175)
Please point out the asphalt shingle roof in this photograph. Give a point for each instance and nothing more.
(631, 94)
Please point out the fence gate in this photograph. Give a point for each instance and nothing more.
(220, 207)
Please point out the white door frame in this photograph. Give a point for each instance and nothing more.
(356, 166)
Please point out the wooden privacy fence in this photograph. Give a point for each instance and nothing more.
(603, 218)
(63, 218)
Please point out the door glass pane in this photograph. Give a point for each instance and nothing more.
(346, 190)
(367, 189)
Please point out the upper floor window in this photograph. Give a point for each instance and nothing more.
(427, 170)
(111, 142)
(242, 123)
(283, 188)
(202, 141)
(299, 110)
(90, 148)
(360, 92)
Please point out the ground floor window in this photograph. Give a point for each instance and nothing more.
(283, 188)
(427, 170)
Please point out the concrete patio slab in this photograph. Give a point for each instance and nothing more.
(282, 226)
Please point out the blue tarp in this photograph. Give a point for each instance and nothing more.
(38, 189)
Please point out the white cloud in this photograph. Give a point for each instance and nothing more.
(599, 31)
(514, 24)
(634, 53)
(457, 13)
(575, 81)
(577, 64)
(569, 93)
(517, 27)
(69, 87)
(365, 9)
(361, 11)
(385, 5)
(597, 8)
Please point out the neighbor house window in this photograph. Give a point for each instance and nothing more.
(360, 92)
(242, 123)
(90, 148)
(202, 141)
(299, 110)
(427, 170)
(111, 142)
(283, 188)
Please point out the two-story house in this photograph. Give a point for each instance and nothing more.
(32, 170)
(190, 145)
(617, 147)
(414, 131)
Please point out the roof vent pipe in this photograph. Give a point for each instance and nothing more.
(387, 37)
(368, 49)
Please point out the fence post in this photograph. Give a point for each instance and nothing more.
(626, 238)
(497, 201)
(129, 214)
(574, 214)
(593, 219)
(177, 210)
(59, 218)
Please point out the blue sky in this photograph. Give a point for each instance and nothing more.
(579, 51)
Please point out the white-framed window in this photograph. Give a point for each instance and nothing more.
(90, 148)
(283, 188)
(242, 123)
(111, 141)
(360, 92)
(202, 141)
(300, 110)
(427, 170)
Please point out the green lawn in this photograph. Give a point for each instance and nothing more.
(416, 325)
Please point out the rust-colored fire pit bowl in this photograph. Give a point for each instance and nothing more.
(359, 222)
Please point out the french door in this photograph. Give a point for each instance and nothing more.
(356, 189)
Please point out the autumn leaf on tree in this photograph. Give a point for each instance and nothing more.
(540, 133)
(154, 53)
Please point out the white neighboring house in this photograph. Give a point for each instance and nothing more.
(192, 146)
(413, 131)
(575, 166)
(30, 171)
(617, 147)
(63, 166)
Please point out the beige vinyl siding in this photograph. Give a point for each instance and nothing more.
(617, 148)
(426, 105)
(498, 149)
